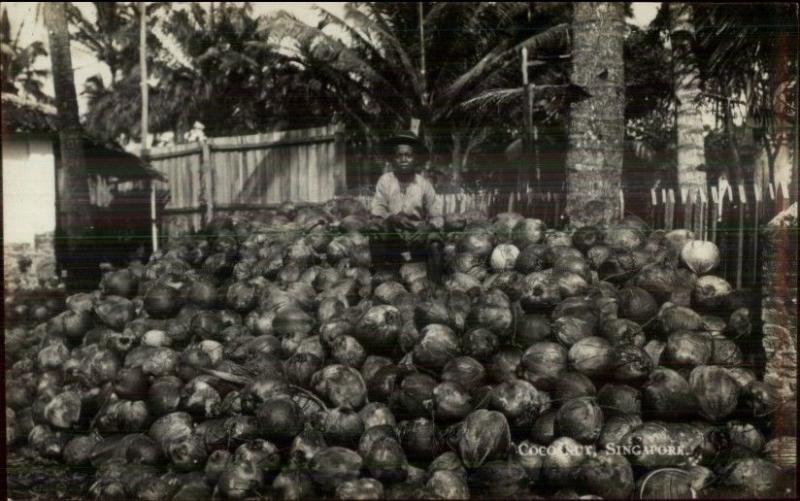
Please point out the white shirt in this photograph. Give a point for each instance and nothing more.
(417, 198)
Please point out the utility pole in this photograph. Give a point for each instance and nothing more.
(145, 119)
(531, 135)
(422, 50)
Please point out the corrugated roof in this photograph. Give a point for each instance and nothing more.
(103, 157)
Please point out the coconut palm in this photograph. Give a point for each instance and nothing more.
(20, 74)
(748, 60)
(112, 35)
(468, 49)
(597, 124)
(75, 190)
(689, 122)
(219, 70)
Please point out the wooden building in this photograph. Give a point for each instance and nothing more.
(119, 190)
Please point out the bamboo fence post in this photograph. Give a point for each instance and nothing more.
(713, 212)
(740, 236)
(756, 229)
(653, 204)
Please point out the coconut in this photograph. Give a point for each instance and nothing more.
(386, 460)
(619, 399)
(415, 390)
(711, 292)
(340, 385)
(688, 349)
(437, 346)
(447, 485)
(632, 364)
(607, 475)
(532, 258)
(573, 385)
(543, 362)
(519, 401)
(667, 394)
(615, 428)
(623, 332)
(666, 483)
(418, 438)
(504, 365)
(715, 390)
(480, 344)
(752, 476)
(700, 256)
(465, 371)
(561, 464)
(592, 356)
(342, 427)
(782, 451)
(505, 479)
(279, 420)
(637, 304)
(484, 436)
(527, 232)
(580, 419)
(378, 329)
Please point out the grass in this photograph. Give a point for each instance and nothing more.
(34, 478)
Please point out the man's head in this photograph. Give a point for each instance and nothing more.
(404, 150)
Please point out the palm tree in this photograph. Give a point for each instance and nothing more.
(113, 35)
(748, 60)
(20, 74)
(597, 124)
(73, 186)
(382, 62)
(688, 120)
(220, 70)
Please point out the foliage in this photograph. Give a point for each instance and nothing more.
(217, 68)
(471, 50)
(113, 35)
(749, 60)
(20, 74)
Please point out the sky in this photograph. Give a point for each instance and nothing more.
(23, 18)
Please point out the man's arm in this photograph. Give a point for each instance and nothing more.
(380, 201)
(433, 206)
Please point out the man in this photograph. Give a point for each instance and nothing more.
(411, 214)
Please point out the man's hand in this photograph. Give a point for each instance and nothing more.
(400, 222)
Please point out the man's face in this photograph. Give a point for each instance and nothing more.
(404, 157)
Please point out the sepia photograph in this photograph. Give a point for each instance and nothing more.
(400, 250)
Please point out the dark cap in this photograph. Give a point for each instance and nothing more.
(405, 137)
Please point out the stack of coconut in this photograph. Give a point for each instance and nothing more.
(266, 358)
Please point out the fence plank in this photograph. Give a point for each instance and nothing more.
(295, 186)
(740, 239)
(756, 228)
(313, 160)
(252, 188)
(328, 149)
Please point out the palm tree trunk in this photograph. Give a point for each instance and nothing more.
(74, 218)
(594, 158)
(688, 122)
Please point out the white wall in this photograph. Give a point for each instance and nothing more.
(29, 189)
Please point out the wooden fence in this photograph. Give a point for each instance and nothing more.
(226, 174)
(732, 216)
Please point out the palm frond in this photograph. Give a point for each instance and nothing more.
(377, 24)
(500, 54)
(494, 98)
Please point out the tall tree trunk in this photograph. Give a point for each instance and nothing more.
(784, 169)
(597, 124)
(688, 120)
(73, 188)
